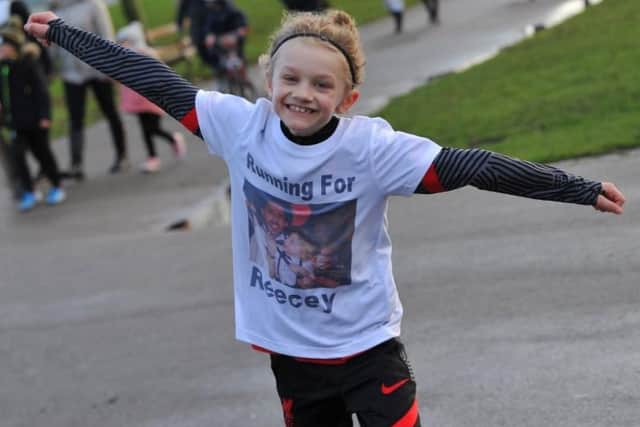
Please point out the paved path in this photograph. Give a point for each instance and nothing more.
(518, 313)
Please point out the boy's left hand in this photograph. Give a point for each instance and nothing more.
(610, 199)
(45, 123)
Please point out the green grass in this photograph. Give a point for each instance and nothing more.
(573, 90)
(264, 17)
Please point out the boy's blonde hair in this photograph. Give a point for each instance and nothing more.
(335, 27)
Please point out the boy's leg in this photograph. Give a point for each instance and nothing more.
(310, 393)
(382, 390)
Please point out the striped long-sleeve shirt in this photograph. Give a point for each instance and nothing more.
(453, 168)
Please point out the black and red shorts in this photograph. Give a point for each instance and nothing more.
(376, 385)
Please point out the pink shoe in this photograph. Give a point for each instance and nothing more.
(151, 165)
(179, 146)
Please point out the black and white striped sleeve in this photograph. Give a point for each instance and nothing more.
(454, 168)
(147, 76)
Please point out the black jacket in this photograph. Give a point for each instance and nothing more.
(222, 21)
(24, 93)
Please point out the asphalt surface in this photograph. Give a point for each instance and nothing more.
(517, 312)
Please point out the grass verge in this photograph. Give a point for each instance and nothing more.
(569, 91)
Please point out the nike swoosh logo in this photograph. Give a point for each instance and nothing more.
(393, 387)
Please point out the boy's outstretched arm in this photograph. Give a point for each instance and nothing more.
(454, 168)
(147, 76)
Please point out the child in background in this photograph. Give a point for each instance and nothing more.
(334, 350)
(225, 28)
(26, 112)
(149, 114)
(396, 9)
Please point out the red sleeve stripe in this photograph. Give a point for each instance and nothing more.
(190, 120)
(431, 181)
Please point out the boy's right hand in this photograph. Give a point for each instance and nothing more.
(38, 25)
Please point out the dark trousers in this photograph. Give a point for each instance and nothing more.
(36, 141)
(8, 165)
(432, 9)
(377, 386)
(150, 124)
(75, 97)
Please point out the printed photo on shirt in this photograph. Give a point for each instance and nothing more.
(300, 245)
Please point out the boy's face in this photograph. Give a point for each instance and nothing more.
(274, 218)
(308, 85)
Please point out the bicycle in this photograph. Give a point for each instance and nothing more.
(234, 78)
(230, 69)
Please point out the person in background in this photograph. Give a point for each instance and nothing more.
(396, 9)
(224, 28)
(78, 77)
(26, 112)
(432, 7)
(195, 12)
(149, 114)
(7, 9)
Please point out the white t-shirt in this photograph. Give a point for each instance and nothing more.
(334, 195)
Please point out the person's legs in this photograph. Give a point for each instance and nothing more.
(150, 123)
(309, 393)
(6, 158)
(103, 91)
(27, 199)
(39, 144)
(148, 126)
(398, 17)
(382, 391)
(432, 10)
(214, 57)
(75, 95)
(156, 130)
(19, 148)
